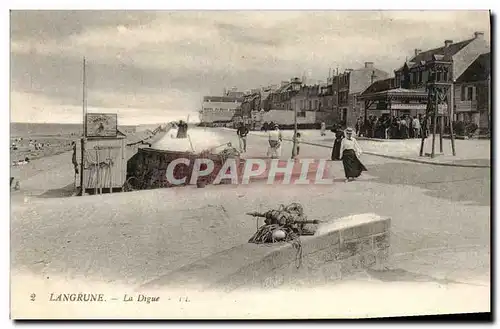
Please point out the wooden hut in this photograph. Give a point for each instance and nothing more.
(104, 165)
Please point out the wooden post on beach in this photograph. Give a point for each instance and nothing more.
(434, 123)
(110, 170)
(84, 132)
(96, 189)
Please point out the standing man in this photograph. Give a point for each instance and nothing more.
(416, 127)
(323, 129)
(359, 123)
(242, 133)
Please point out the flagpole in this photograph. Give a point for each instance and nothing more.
(84, 105)
(84, 124)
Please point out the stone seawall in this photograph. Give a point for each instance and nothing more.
(338, 249)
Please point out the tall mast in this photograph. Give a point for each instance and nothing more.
(84, 100)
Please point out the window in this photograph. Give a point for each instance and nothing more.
(414, 77)
(420, 77)
(316, 104)
(301, 114)
(462, 94)
(310, 105)
(344, 114)
(469, 93)
(438, 76)
(445, 75)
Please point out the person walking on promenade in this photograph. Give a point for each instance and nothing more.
(297, 143)
(339, 135)
(359, 123)
(323, 129)
(350, 151)
(416, 127)
(242, 133)
(275, 139)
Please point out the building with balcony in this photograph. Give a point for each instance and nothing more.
(407, 94)
(472, 93)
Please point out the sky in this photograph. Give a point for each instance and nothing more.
(155, 66)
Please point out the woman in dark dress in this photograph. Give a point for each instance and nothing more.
(350, 157)
(339, 135)
(182, 129)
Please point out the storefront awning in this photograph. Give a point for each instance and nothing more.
(399, 106)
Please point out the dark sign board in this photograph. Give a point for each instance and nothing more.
(101, 125)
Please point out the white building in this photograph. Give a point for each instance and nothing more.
(219, 108)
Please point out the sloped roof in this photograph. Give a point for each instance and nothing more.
(446, 52)
(479, 70)
(398, 92)
(379, 85)
(442, 54)
(361, 78)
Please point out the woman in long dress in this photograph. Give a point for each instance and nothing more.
(275, 139)
(351, 151)
(339, 135)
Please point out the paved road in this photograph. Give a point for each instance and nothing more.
(452, 183)
(441, 221)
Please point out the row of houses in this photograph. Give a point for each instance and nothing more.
(370, 91)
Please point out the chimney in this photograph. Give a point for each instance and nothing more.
(417, 51)
(368, 65)
(447, 43)
(478, 35)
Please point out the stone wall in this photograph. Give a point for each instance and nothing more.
(338, 249)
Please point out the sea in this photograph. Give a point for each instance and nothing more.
(23, 129)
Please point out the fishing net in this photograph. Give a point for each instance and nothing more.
(290, 219)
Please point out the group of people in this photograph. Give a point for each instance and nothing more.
(345, 148)
(395, 127)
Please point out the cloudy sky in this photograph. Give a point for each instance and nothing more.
(156, 66)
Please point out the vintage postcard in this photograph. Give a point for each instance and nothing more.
(249, 164)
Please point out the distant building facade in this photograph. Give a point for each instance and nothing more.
(218, 109)
(472, 93)
(406, 94)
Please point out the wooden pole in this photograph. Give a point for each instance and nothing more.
(434, 122)
(110, 169)
(441, 130)
(84, 99)
(82, 165)
(425, 124)
(451, 113)
(294, 150)
(489, 105)
(82, 145)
